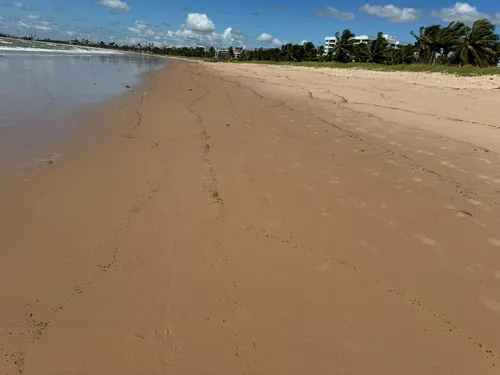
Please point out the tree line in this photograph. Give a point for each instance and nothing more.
(455, 44)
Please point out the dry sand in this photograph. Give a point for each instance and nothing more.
(240, 219)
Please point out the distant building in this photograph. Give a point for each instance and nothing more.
(221, 54)
(331, 41)
(237, 51)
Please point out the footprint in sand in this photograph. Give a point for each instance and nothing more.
(167, 339)
(428, 153)
(426, 240)
(476, 203)
(494, 241)
(484, 160)
(324, 212)
(490, 303)
(449, 164)
(305, 187)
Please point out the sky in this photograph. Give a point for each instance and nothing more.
(222, 23)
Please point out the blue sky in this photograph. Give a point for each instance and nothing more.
(228, 22)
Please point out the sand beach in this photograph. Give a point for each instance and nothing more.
(252, 219)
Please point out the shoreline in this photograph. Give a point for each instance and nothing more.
(83, 121)
(236, 218)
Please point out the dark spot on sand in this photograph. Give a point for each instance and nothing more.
(228, 124)
(190, 89)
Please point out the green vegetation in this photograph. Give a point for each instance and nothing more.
(467, 70)
(456, 49)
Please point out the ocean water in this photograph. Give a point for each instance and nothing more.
(42, 83)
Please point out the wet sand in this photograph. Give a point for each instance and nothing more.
(263, 220)
(41, 90)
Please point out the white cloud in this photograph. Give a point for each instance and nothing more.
(265, 38)
(185, 37)
(460, 12)
(141, 28)
(114, 4)
(231, 37)
(277, 43)
(199, 23)
(33, 17)
(18, 4)
(302, 42)
(35, 24)
(335, 13)
(191, 33)
(391, 13)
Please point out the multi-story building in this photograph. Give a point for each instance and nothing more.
(237, 52)
(331, 41)
(222, 54)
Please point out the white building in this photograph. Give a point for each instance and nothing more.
(237, 51)
(221, 54)
(331, 41)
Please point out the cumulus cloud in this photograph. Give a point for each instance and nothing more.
(185, 37)
(268, 39)
(198, 30)
(277, 43)
(460, 12)
(231, 37)
(114, 4)
(199, 23)
(18, 4)
(35, 23)
(265, 38)
(141, 28)
(391, 13)
(303, 42)
(33, 17)
(329, 11)
(466, 13)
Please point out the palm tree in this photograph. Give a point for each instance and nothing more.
(428, 43)
(310, 52)
(497, 48)
(211, 52)
(343, 49)
(375, 52)
(448, 38)
(476, 45)
(405, 55)
(287, 51)
(321, 50)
